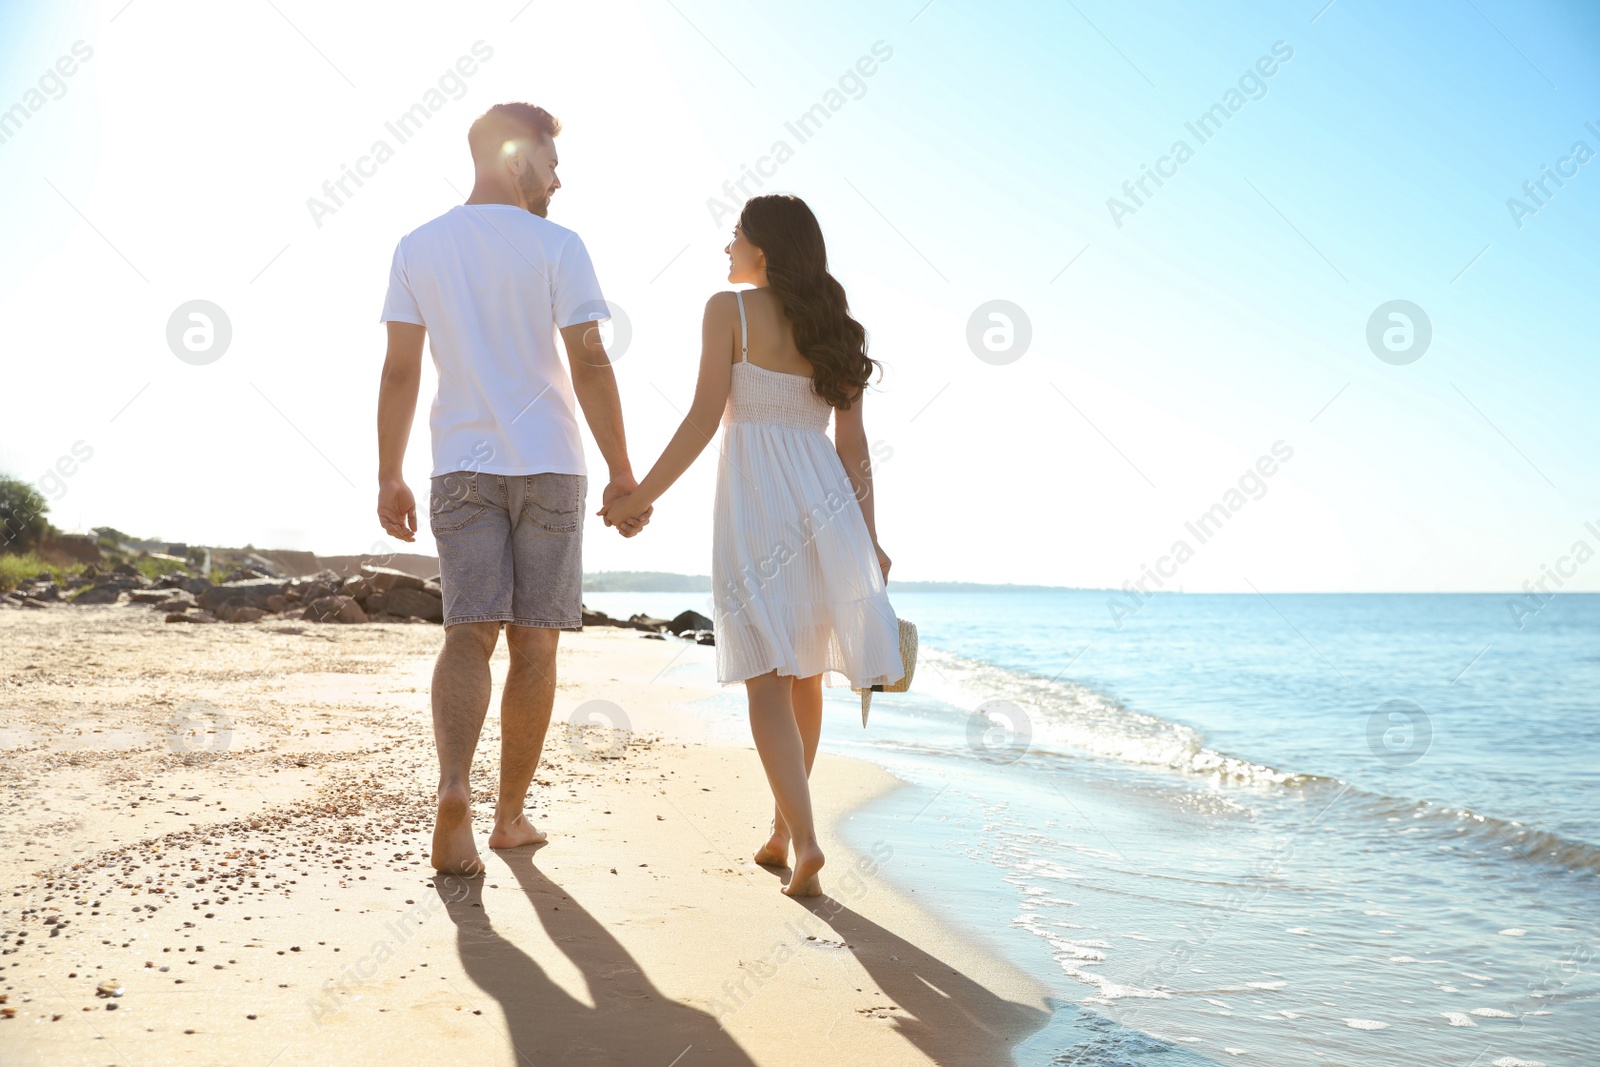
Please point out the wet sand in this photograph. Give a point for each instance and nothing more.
(214, 850)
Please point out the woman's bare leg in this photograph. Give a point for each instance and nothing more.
(805, 695)
(783, 757)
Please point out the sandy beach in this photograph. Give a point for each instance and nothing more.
(215, 848)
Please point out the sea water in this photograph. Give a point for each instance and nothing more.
(1279, 829)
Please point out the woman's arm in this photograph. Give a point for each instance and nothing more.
(850, 441)
(698, 426)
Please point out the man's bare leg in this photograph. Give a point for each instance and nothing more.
(806, 695)
(524, 718)
(461, 689)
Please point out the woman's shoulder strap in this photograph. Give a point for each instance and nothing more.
(744, 328)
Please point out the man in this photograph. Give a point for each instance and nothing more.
(491, 281)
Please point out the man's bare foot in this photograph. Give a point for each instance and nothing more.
(514, 834)
(454, 851)
(808, 860)
(775, 853)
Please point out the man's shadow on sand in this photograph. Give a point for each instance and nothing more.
(632, 1023)
(952, 1019)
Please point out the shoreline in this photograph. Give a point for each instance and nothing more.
(277, 827)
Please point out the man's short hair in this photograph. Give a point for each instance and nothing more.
(508, 122)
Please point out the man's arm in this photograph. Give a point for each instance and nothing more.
(596, 389)
(397, 405)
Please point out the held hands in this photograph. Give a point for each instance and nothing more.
(397, 510)
(623, 508)
(628, 512)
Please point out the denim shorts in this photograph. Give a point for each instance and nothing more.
(510, 547)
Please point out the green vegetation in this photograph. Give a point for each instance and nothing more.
(111, 540)
(76, 593)
(25, 566)
(22, 522)
(16, 568)
(645, 582)
(155, 568)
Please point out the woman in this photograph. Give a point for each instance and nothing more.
(797, 572)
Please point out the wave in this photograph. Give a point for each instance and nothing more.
(1064, 718)
(1076, 719)
(1447, 827)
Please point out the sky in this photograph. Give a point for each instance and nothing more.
(1220, 342)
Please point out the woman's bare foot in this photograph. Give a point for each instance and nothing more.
(454, 851)
(775, 853)
(808, 860)
(515, 833)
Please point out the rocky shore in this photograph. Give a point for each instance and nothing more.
(687, 624)
(374, 594)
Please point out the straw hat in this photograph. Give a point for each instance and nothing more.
(908, 661)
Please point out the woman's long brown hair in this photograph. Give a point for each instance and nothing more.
(784, 228)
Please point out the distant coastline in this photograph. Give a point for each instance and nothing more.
(645, 582)
(896, 586)
(668, 582)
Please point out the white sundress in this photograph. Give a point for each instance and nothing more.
(796, 585)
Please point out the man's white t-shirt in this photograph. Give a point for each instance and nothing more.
(492, 283)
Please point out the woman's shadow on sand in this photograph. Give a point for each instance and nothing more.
(953, 1019)
(631, 1022)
